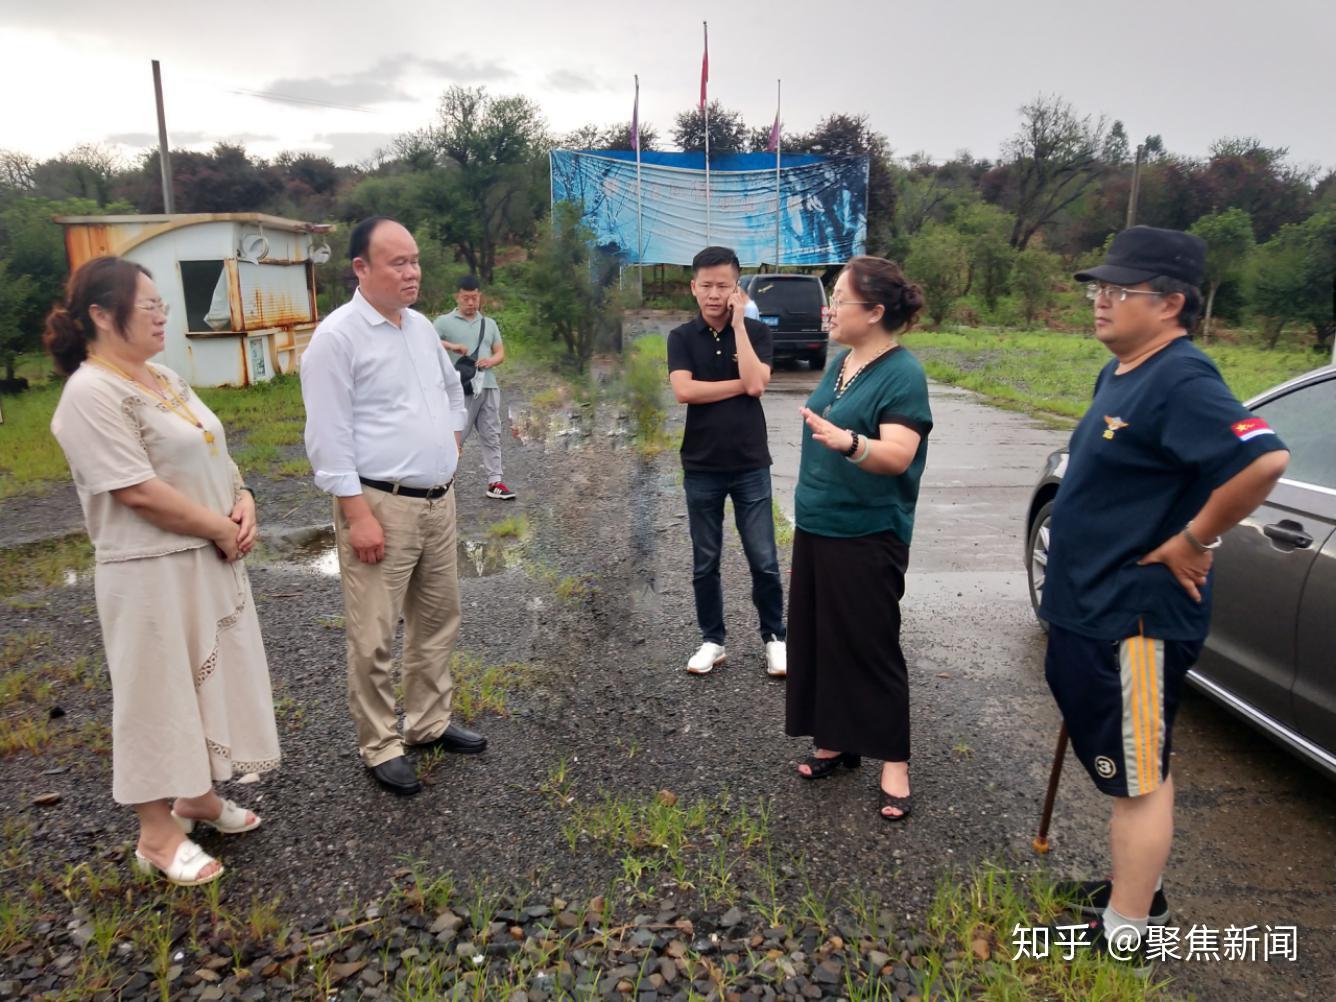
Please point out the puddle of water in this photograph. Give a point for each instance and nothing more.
(571, 427)
(314, 550)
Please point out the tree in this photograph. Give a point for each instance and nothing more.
(489, 183)
(1229, 242)
(1275, 281)
(575, 291)
(33, 267)
(16, 294)
(613, 137)
(728, 132)
(1032, 277)
(1052, 160)
(939, 262)
(985, 229)
(17, 171)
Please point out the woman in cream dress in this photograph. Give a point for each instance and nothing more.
(169, 519)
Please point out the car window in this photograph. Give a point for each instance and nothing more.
(1306, 419)
(787, 295)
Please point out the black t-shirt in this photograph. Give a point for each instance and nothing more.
(1154, 444)
(727, 435)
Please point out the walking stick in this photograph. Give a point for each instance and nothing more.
(1040, 842)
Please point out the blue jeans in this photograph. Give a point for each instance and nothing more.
(750, 491)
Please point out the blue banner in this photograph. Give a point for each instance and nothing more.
(821, 209)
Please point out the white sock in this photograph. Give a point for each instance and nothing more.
(1123, 932)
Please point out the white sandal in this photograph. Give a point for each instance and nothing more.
(185, 867)
(230, 821)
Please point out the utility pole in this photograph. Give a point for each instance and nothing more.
(1136, 186)
(164, 158)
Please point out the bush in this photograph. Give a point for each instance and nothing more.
(1033, 277)
(939, 262)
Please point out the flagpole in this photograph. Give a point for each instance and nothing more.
(778, 143)
(705, 108)
(640, 220)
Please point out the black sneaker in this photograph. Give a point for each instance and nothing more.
(1091, 897)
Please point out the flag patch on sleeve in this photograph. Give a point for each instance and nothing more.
(1251, 428)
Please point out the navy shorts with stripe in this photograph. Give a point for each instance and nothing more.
(1119, 699)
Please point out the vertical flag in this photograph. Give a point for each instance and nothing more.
(635, 118)
(774, 146)
(705, 68)
(705, 114)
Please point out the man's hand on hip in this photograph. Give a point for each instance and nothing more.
(1189, 567)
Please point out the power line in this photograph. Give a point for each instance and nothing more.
(269, 95)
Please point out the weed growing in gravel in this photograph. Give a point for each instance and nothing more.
(334, 622)
(482, 688)
(783, 527)
(44, 564)
(30, 687)
(974, 918)
(558, 784)
(514, 527)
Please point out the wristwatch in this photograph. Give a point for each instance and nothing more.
(1197, 544)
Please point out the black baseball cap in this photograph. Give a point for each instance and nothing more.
(1145, 252)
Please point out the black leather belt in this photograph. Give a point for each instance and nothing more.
(431, 493)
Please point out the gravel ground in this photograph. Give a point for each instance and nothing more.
(596, 606)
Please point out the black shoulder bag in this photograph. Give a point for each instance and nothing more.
(467, 365)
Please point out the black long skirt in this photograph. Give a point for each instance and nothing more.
(848, 685)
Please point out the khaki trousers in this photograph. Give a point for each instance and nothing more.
(419, 579)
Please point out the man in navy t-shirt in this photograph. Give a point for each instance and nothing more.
(1164, 462)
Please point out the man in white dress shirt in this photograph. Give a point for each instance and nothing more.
(384, 412)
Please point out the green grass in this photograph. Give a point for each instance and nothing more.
(482, 688)
(263, 423)
(1048, 372)
(978, 914)
(31, 682)
(514, 527)
(783, 527)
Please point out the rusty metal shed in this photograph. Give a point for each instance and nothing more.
(240, 286)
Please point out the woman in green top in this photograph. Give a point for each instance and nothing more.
(864, 446)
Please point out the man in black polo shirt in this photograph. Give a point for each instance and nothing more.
(1164, 462)
(719, 365)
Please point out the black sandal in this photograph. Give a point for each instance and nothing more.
(823, 767)
(902, 804)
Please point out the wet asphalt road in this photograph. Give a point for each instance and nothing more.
(1256, 829)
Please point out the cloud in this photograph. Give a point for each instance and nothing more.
(183, 138)
(348, 147)
(380, 83)
(574, 82)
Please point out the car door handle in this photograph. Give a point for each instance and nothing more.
(1290, 533)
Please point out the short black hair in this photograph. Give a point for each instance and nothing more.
(359, 243)
(712, 256)
(1187, 316)
(469, 283)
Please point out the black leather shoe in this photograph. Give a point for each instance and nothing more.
(397, 775)
(459, 740)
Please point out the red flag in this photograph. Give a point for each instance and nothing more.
(705, 69)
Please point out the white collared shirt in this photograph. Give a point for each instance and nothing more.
(382, 402)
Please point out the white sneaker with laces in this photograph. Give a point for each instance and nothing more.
(705, 659)
(776, 659)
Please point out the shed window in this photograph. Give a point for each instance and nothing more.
(205, 287)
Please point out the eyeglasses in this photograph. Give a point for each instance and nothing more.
(155, 306)
(1115, 293)
(836, 302)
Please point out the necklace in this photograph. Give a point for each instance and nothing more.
(841, 385)
(173, 403)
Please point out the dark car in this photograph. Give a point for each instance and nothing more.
(793, 306)
(1271, 653)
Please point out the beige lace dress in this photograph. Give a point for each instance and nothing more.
(191, 699)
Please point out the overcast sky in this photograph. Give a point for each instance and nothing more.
(935, 77)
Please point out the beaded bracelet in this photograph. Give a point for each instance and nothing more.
(867, 449)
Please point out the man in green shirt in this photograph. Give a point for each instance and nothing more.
(465, 331)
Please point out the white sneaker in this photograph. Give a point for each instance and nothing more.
(776, 658)
(705, 659)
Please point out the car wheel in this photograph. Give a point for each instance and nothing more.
(1036, 557)
(817, 360)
